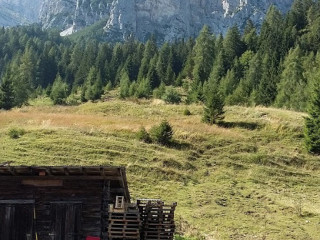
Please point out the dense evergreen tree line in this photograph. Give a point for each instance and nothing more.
(277, 66)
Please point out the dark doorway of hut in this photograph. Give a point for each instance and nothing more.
(16, 218)
(66, 220)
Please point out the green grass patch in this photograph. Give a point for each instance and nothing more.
(249, 178)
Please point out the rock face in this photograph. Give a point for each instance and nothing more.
(19, 12)
(168, 19)
(174, 19)
(72, 15)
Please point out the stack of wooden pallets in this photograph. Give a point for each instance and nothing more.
(157, 220)
(124, 225)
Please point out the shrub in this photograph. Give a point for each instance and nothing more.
(15, 133)
(186, 112)
(160, 91)
(171, 96)
(143, 135)
(162, 134)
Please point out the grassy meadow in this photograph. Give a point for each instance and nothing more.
(248, 178)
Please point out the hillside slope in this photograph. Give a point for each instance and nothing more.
(246, 179)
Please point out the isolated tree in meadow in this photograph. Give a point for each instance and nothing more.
(213, 104)
(162, 133)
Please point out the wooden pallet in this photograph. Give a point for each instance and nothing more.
(158, 220)
(124, 225)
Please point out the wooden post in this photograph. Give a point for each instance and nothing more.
(106, 198)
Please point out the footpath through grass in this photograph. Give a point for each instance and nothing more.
(248, 178)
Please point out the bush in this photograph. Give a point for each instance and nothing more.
(186, 112)
(160, 91)
(15, 133)
(162, 134)
(171, 96)
(143, 135)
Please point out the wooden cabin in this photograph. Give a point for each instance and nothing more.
(59, 203)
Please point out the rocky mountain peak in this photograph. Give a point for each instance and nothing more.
(168, 19)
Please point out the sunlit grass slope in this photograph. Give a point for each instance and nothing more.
(249, 178)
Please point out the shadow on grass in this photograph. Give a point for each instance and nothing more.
(244, 125)
(179, 145)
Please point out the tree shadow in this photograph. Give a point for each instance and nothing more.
(243, 125)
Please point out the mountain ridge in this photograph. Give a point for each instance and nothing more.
(168, 19)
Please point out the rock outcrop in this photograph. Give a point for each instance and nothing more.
(174, 19)
(19, 12)
(168, 19)
(72, 15)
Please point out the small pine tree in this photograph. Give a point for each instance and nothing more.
(171, 96)
(214, 104)
(160, 91)
(6, 94)
(59, 91)
(163, 133)
(312, 123)
(124, 86)
(143, 135)
(143, 89)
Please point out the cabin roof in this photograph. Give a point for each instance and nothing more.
(68, 172)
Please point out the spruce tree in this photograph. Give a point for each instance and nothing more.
(312, 123)
(124, 86)
(93, 85)
(233, 45)
(59, 91)
(163, 63)
(143, 89)
(149, 52)
(6, 94)
(214, 104)
(203, 55)
(152, 75)
(267, 89)
(292, 85)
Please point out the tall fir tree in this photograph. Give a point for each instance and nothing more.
(267, 89)
(213, 104)
(292, 87)
(233, 45)
(6, 94)
(149, 52)
(312, 122)
(204, 53)
(59, 91)
(163, 62)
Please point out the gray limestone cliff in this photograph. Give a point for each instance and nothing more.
(174, 19)
(72, 15)
(19, 12)
(168, 19)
